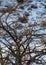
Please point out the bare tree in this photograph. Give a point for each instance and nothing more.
(17, 44)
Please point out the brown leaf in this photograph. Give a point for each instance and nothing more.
(23, 19)
(44, 23)
(43, 39)
(9, 9)
(26, 32)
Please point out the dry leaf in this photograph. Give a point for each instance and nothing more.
(44, 23)
(26, 32)
(43, 39)
(23, 19)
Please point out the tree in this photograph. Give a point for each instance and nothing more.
(18, 43)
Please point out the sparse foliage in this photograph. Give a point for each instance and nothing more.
(18, 50)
